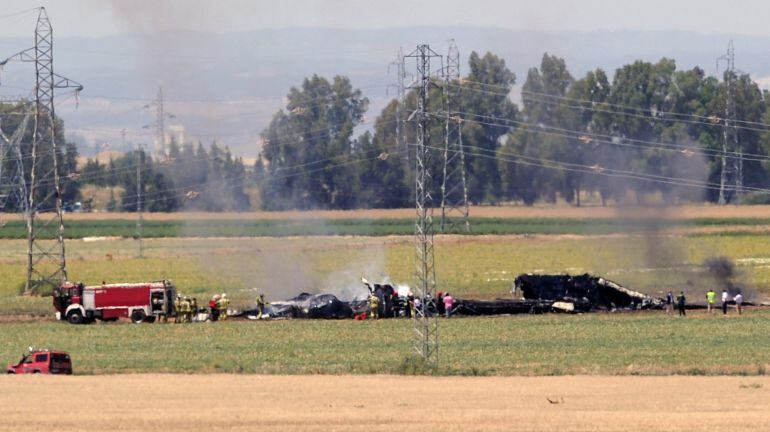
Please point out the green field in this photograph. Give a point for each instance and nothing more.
(368, 227)
(470, 267)
(206, 257)
(634, 343)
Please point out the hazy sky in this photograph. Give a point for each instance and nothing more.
(104, 17)
(231, 114)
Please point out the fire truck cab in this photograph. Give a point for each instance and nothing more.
(141, 302)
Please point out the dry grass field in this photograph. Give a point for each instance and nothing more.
(383, 403)
(551, 211)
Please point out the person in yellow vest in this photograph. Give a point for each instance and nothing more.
(222, 305)
(374, 305)
(177, 309)
(711, 299)
(194, 309)
(186, 309)
(260, 305)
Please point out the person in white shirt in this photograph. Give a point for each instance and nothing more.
(738, 302)
(725, 299)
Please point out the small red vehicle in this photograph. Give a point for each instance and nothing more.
(42, 362)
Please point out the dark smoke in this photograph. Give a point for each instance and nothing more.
(726, 276)
(722, 269)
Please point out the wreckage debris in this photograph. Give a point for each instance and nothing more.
(534, 294)
(582, 293)
(562, 294)
(307, 305)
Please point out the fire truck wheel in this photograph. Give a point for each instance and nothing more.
(75, 317)
(137, 316)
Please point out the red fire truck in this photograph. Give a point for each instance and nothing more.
(141, 302)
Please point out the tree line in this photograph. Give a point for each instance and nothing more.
(188, 178)
(649, 130)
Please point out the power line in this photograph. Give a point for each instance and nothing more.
(642, 113)
(14, 14)
(322, 132)
(593, 170)
(276, 176)
(703, 119)
(210, 100)
(606, 139)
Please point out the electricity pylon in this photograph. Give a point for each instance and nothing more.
(454, 189)
(161, 146)
(13, 188)
(46, 258)
(731, 175)
(425, 324)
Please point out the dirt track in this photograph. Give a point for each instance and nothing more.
(382, 403)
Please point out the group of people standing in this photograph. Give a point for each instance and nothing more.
(410, 305)
(711, 298)
(218, 307)
(186, 309)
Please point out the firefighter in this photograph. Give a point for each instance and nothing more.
(222, 305)
(194, 309)
(374, 305)
(260, 305)
(185, 309)
(397, 304)
(160, 308)
(178, 309)
(213, 306)
(409, 304)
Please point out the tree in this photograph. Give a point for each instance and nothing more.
(308, 148)
(537, 146)
(66, 158)
(489, 115)
(383, 168)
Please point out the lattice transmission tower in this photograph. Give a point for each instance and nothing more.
(399, 69)
(46, 258)
(425, 324)
(454, 189)
(159, 123)
(731, 175)
(13, 187)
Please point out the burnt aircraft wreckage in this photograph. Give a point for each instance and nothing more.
(532, 293)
